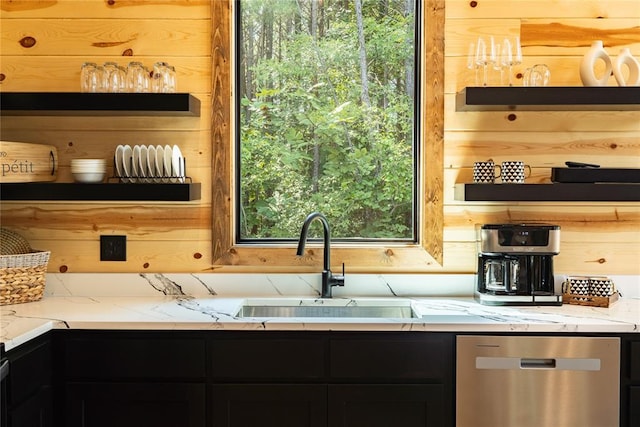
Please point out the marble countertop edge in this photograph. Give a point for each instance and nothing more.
(21, 322)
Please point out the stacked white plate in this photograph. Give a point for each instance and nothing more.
(149, 163)
(88, 170)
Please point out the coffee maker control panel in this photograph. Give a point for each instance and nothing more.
(519, 239)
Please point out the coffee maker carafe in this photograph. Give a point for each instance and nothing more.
(515, 264)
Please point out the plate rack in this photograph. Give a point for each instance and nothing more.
(178, 176)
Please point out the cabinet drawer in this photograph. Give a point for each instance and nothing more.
(392, 357)
(267, 356)
(124, 356)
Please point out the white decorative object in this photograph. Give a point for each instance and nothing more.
(626, 59)
(587, 67)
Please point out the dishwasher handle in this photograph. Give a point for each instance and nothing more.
(538, 363)
(523, 363)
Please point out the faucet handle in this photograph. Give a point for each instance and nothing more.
(339, 279)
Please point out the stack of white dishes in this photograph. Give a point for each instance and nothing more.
(149, 164)
(88, 170)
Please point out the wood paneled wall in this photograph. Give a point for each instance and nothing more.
(160, 236)
(597, 238)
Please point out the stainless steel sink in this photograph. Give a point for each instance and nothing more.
(327, 308)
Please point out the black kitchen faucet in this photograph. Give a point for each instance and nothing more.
(329, 280)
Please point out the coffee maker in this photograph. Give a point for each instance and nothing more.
(515, 264)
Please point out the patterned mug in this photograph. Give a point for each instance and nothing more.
(578, 285)
(485, 172)
(601, 287)
(513, 172)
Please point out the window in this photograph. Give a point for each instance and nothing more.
(326, 118)
(425, 255)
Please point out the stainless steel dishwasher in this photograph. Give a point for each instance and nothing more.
(508, 381)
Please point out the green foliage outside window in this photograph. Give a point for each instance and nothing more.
(326, 117)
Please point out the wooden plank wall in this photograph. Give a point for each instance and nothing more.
(161, 236)
(597, 238)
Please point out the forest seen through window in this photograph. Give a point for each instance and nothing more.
(327, 117)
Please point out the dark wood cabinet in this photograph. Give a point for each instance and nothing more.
(267, 356)
(332, 379)
(132, 355)
(234, 379)
(391, 379)
(29, 384)
(131, 378)
(392, 357)
(634, 406)
(248, 378)
(376, 405)
(269, 405)
(149, 404)
(35, 411)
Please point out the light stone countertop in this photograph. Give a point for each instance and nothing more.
(171, 307)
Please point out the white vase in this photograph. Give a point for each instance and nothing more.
(626, 59)
(587, 66)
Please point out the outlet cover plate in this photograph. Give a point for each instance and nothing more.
(113, 248)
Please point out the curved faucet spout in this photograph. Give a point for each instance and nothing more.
(327, 237)
(328, 279)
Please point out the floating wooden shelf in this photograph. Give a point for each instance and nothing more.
(549, 98)
(557, 192)
(97, 104)
(103, 191)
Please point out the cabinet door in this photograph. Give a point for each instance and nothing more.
(36, 411)
(269, 405)
(634, 406)
(135, 405)
(30, 369)
(416, 405)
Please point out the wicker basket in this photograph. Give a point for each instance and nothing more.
(22, 275)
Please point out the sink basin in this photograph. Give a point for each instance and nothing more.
(334, 308)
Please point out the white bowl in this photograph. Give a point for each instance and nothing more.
(88, 169)
(88, 162)
(88, 177)
(88, 166)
